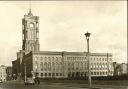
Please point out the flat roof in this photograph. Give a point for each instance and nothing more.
(70, 53)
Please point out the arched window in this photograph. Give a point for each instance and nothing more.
(60, 58)
(77, 65)
(53, 65)
(45, 58)
(52, 58)
(45, 66)
(41, 66)
(81, 65)
(49, 59)
(41, 58)
(56, 58)
(49, 65)
(36, 58)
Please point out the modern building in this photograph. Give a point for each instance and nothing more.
(3, 73)
(49, 64)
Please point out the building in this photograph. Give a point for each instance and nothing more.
(48, 64)
(9, 73)
(30, 42)
(123, 67)
(15, 69)
(116, 67)
(120, 69)
(3, 73)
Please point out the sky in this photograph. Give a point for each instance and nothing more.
(62, 25)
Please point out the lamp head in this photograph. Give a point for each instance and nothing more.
(87, 35)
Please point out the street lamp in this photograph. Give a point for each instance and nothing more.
(25, 71)
(87, 35)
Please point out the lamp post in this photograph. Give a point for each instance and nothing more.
(25, 71)
(87, 35)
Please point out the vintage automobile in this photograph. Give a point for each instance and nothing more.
(37, 81)
(29, 81)
(1, 81)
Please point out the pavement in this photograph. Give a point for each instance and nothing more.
(17, 84)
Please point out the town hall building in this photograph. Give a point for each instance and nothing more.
(53, 64)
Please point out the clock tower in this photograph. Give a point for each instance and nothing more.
(30, 33)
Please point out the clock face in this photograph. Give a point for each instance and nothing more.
(31, 25)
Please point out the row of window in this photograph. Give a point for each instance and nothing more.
(49, 63)
(60, 74)
(80, 68)
(101, 59)
(48, 58)
(101, 73)
(3, 76)
(99, 68)
(48, 67)
(71, 58)
(85, 63)
(50, 74)
(58, 66)
(85, 68)
(92, 73)
(76, 58)
(84, 58)
(69, 68)
(93, 65)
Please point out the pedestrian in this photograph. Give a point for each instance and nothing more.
(37, 81)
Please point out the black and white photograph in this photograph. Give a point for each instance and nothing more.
(63, 44)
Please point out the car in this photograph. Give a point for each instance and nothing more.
(29, 81)
(37, 81)
(1, 81)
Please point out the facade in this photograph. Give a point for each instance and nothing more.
(3, 73)
(120, 69)
(9, 73)
(48, 64)
(30, 33)
(123, 68)
(116, 67)
(30, 42)
(15, 69)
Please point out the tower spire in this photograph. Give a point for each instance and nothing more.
(30, 12)
(29, 4)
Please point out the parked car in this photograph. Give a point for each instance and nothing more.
(37, 81)
(1, 81)
(30, 81)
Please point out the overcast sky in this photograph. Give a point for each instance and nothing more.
(63, 24)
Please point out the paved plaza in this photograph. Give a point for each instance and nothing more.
(20, 85)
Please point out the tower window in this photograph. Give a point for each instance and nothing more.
(31, 25)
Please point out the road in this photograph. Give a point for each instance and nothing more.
(20, 85)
